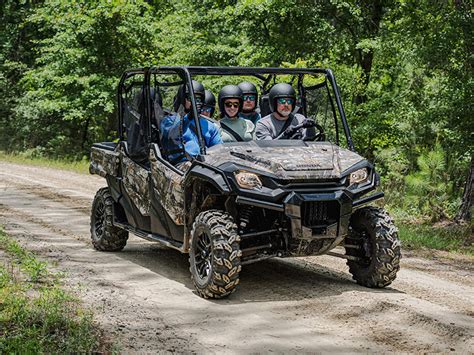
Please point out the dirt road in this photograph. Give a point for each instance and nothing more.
(144, 299)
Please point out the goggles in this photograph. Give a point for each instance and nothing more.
(288, 101)
(249, 97)
(231, 104)
(206, 109)
(198, 99)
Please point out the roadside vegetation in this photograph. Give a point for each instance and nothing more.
(36, 315)
(451, 237)
(81, 166)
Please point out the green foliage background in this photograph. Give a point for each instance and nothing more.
(404, 68)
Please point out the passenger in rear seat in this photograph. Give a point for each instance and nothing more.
(180, 140)
(249, 106)
(209, 105)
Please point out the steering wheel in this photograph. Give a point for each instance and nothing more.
(308, 124)
(319, 136)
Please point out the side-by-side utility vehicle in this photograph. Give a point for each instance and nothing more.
(242, 202)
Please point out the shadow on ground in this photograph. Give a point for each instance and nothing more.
(269, 280)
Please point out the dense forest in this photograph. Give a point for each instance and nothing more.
(404, 69)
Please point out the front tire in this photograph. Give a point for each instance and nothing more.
(374, 240)
(105, 236)
(214, 255)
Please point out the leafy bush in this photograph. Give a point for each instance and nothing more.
(429, 190)
(393, 167)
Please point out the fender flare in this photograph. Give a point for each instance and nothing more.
(209, 176)
(213, 176)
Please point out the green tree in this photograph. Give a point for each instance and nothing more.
(17, 54)
(69, 99)
(429, 188)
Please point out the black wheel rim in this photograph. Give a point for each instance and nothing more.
(99, 218)
(203, 255)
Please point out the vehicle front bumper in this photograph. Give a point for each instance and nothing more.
(319, 220)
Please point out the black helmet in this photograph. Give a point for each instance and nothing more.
(183, 90)
(248, 89)
(229, 92)
(209, 98)
(210, 101)
(278, 91)
(197, 87)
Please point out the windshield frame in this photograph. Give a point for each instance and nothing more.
(186, 73)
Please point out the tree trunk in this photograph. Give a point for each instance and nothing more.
(465, 212)
(365, 59)
(84, 134)
(366, 65)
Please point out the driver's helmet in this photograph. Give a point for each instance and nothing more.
(183, 91)
(209, 101)
(279, 91)
(249, 89)
(229, 92)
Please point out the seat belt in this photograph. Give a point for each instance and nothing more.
(286, 125)
(232, 132)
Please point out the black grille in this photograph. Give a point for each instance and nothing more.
(319, 213)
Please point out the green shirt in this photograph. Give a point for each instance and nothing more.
(244, 128)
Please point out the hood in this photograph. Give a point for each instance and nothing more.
(286, 158)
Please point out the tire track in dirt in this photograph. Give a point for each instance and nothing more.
(291, 305)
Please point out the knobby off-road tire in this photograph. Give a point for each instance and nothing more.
(373, 231)
(214, 255)
(105, 237)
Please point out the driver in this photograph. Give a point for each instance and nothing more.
(179, 136)
(282, 122)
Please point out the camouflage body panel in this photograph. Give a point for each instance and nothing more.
(104, 162)
(298, 160)
(135, 182)
(168, 187)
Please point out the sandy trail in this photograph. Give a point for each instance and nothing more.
(144, 299)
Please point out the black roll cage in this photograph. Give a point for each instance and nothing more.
(187, 72)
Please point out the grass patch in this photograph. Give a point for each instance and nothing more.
(36, 314)
(26, 158)
(453, 238)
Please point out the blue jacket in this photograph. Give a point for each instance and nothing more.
(173, 144)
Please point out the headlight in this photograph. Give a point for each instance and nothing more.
(248, 180)
(359, 176)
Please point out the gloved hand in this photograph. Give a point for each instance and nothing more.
(308, 123)
(290, 131)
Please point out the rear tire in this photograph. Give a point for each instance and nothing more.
(214, 254)
(105, 236)
(375, 235)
